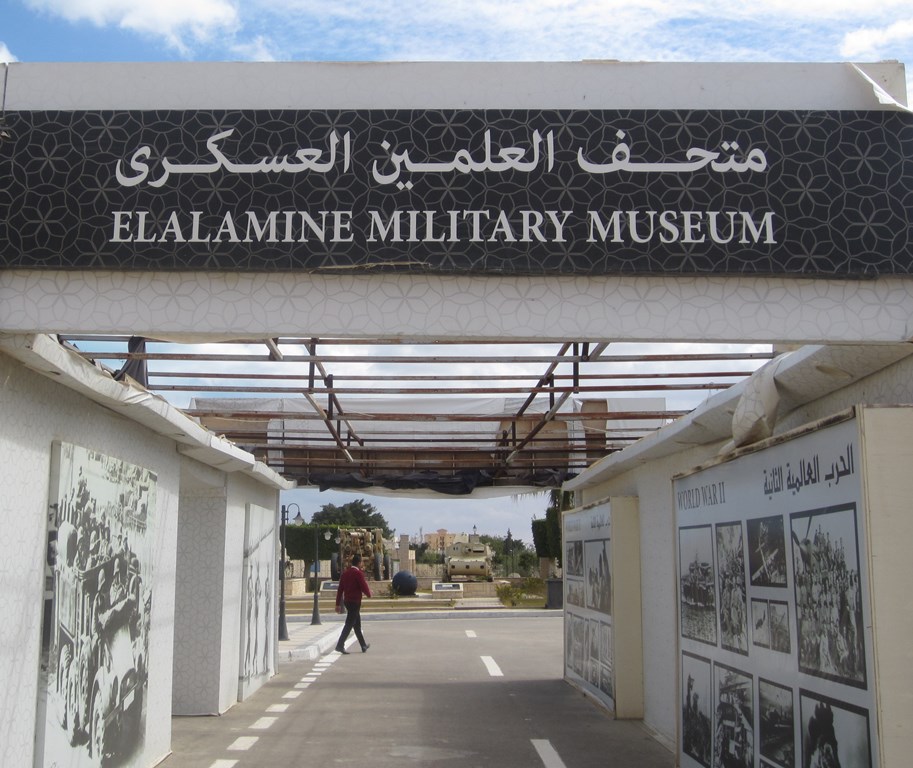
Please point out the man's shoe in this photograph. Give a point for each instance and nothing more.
(365, 647)
(343, 651)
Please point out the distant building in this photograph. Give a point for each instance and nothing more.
(441, 539)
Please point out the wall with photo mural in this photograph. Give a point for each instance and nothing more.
(88, 583)
(258, 600)
(210, 606)
(775, 619)
(94, 678)
(588, 626)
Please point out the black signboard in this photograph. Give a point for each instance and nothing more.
(823, 194)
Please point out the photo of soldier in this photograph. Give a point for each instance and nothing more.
(733, 603)
(598, 576)
(829, 595)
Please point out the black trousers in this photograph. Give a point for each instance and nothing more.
(353, 621)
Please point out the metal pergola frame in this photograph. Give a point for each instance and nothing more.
(539, 419)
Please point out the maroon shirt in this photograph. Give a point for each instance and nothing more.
(352, 585)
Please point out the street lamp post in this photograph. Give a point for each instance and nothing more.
(315, 613)
(283, 626)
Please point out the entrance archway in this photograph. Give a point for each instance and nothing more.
(580, 203)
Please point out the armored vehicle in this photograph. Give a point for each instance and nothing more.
(468, 560)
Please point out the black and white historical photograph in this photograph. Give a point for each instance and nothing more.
(760, 623)
(257, 649)
(588, 618)
(592, 652)
(777, 733)
(598, 576)
(606, 660)
(770, 624)
(767, 552)
(576, 643)
(575, 627)
(830, 630)
(733, 738)
(730, 557)
(697, 583)
(575, 592)
(778, 618)
(94, 663)
(607, 682)
(697, 703)
(573, 564)
(834, 734)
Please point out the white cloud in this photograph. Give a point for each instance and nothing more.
(180, 23)
(6, 55)
(868, 42)
(571, 30)
(509, 30)
(261, 48)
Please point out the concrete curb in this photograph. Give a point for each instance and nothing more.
(312, 649)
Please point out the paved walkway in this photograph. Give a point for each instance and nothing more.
(307, 642)
(437, 688)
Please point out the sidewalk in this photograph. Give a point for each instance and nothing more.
(307, 642)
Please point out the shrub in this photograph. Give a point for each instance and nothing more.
(508, 594)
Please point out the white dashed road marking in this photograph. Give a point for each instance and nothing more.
(292, 694)
(243, 743)
(224, 764)
(493, 669)
(263, 723)
(547, 754)
(470, 633)
(277, 708)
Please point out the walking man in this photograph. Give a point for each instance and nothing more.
(352, 585)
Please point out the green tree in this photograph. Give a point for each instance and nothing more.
(300, 540)
(427, 556)
(540, 538)
(559, 501)
(510, 554)
(527, 562)
(354, 514)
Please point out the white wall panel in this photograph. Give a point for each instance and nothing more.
(198, 614)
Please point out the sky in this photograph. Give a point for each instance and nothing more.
(455, 30)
